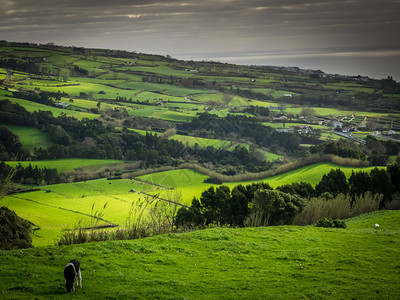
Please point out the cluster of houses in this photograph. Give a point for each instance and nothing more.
(337, 125)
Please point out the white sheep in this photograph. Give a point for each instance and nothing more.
(376, 225)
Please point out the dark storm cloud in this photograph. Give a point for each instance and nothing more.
(198, 26)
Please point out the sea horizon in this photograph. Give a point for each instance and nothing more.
(374, 63)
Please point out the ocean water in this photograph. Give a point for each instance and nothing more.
(365, 62)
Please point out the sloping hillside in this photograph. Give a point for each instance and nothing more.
(283, 262)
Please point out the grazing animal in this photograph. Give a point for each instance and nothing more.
(72, 273)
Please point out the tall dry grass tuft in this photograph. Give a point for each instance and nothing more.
(147, 216)
(367, 202)
(317, 208)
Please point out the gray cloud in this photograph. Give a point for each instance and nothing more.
(192, 26)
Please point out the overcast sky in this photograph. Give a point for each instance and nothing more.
(224, 29)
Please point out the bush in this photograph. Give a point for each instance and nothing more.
(329, 223)
(339, 223)
(14, 231)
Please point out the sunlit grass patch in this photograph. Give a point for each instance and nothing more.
(68, 164)
(33, 106)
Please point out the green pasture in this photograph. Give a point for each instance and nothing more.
(120, 76)
(289, 125)
(25, 51)
(168, 89)
(329, 135)
(96, 80)
(31, 137)
(218, 98)
(68, 164)
(61, 206)
(17, 75)
(221, 79)
(176, 116)
(156, 69)
(202, 142)
(187, 182)
(143, 110)
(61, 60)
(144, 132)
(352, 88)
(311, 174)
(145, 60)
(24, 83)
(187, 106)
(110, 92)
(151, 97)
(88, 64)
(161, 113)
(269, 156)
(278, 262)
(3, 74)
(33, 106)
(88, 104)
(51, 220)
(75, 86)
(324, 111)
(190, 183)
(274, 93)
(361, 134)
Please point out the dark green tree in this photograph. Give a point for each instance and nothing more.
(334, 182)
(273, 207)
(381, 183)
(394, 172)
(359, 182)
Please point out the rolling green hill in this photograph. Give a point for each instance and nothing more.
(284, 262)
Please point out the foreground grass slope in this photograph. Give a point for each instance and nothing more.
(283, 262)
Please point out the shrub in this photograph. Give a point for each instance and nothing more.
(325, 222)
(329, 223)
(339, 223)
(14, 231)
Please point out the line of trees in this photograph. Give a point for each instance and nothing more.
(375, 151)
(259, 205)
(29, 174)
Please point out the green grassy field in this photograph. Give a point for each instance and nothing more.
(161, 113)
(167, 89)
(31, 137)
(202, 142)
(190, 183)
(68, 164)
(67, 204)
(289, 125)
(33, 106)
(283, 262)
